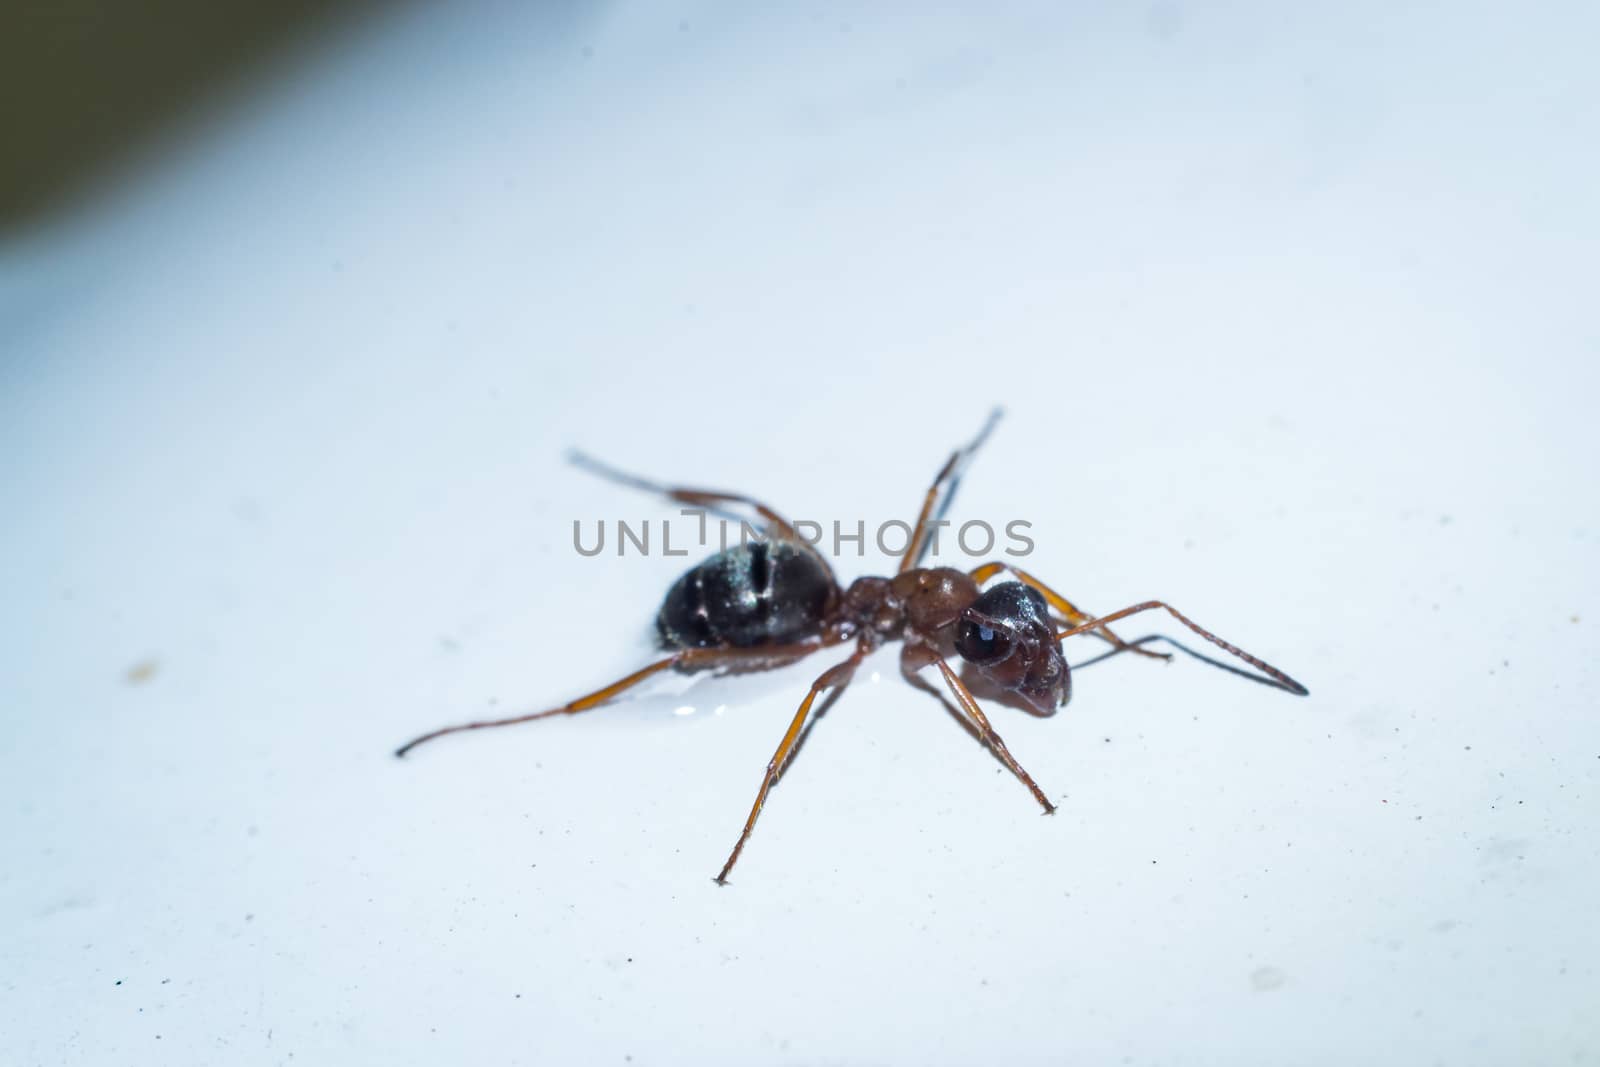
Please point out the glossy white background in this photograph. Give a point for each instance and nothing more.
(1292, 311)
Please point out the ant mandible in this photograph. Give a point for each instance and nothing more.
(763, 604)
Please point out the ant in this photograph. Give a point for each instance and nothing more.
(766, 603)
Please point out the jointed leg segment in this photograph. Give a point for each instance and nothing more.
(703, 498)
(1274, 675)
(969, 704)
(689, 659)
(950, 472)
(834, 677)
(916, 656)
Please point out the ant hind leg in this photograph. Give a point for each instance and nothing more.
(709, 499)
(687, 659)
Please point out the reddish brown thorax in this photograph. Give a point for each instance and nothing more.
(915, 604)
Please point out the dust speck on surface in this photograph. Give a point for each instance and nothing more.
(1266, 979)
(141, 672)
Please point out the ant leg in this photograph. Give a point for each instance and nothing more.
(689, 659)
(1066, 607)
(949, 472)
(969, 704)
(684, 494)
(1277, 677)
(703, 498)
(834, 677)
(914, 657)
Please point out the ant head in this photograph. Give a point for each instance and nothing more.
(1006, 633)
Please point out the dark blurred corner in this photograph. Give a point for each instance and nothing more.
(85, 83)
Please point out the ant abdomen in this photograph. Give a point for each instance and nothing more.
(756, 593)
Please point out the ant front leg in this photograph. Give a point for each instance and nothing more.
(915, 656)
(1274, 675)
(1069, 611)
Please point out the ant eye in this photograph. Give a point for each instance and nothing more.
(981, 644)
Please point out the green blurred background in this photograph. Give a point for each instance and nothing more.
(85, 85)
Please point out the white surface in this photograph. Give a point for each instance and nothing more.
(1293, 313)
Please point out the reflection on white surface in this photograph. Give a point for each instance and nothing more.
(1289, 307)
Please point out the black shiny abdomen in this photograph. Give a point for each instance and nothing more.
(760, 593)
